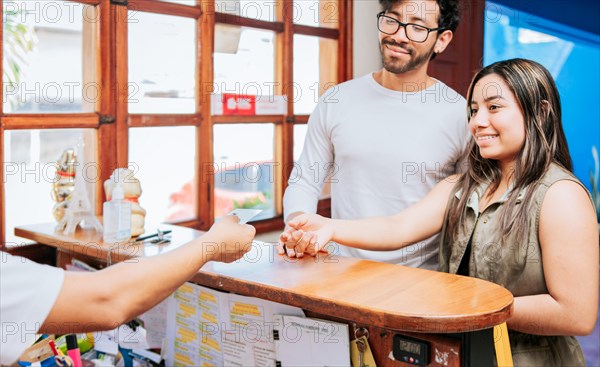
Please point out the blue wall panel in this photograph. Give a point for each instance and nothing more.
(573, 58)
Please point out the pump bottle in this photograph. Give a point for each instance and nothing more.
(117, 217)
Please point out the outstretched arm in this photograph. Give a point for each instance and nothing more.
(568, 235)
(420, 221)
(105, 299)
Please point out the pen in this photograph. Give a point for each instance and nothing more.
(53, 347)
(159, 234)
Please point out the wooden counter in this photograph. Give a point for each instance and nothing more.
(387, 298)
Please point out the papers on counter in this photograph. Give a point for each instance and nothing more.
(303, 341)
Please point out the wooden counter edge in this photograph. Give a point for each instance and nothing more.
(431, 324)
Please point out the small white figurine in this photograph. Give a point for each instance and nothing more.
(78, 209)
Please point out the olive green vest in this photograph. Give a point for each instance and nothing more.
(515, 266)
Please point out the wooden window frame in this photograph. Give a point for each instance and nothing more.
(109, 55)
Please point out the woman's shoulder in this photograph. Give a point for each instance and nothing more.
(555, 173)
(567, 208)
(563, 188)
(451, 186)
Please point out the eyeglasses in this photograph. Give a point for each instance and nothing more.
(414, 32)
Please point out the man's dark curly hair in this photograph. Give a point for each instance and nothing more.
(449, 12)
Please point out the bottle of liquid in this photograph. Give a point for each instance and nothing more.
(117, 217)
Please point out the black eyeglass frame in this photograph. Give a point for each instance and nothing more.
(400, 24)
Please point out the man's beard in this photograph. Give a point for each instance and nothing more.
(397, 67)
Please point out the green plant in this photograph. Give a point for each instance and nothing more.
(19, 41)
(260, 201)
(595, 182)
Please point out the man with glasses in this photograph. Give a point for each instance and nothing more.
(385, 139)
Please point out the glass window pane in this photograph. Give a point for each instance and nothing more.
(164, 159)
(30, 173)
(243, 155)
(182, 2)
(162, 63)
(299, 137)
(315, 70)
(48, 60)
(253, 9)
(244, 60)
(317, 13)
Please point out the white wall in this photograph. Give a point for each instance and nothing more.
(366, 46)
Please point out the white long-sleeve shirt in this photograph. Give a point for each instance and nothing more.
(383, 151)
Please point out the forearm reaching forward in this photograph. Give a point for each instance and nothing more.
(309, 233)
(107, 298)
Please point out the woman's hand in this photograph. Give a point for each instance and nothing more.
(306, 233)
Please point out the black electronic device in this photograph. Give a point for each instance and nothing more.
(411, 350)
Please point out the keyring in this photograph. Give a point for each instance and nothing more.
(360, 332)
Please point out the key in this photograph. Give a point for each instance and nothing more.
(162, 239)
(360, 344)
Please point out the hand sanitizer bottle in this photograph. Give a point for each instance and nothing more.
(117, 217)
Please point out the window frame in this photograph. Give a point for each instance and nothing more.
(110, 117)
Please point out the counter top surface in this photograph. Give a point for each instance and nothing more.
(380, 294)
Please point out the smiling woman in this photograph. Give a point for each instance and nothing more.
(507, 220)
(496, 121)
(508, 101)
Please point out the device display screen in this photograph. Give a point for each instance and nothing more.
(411, 350)
(409, 347)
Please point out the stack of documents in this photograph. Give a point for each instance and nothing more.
(207, 327)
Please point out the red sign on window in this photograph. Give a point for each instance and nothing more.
(239, 104)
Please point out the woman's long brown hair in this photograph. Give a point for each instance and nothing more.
(545, 142)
